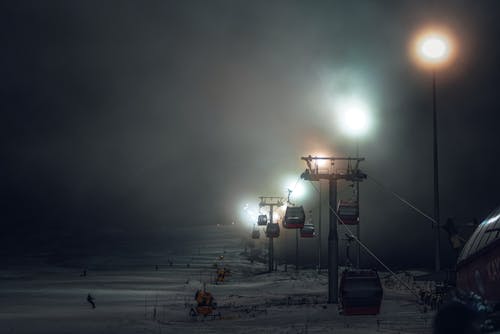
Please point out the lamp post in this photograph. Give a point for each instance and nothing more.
(433, 48)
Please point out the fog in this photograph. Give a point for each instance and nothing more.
(121, 120)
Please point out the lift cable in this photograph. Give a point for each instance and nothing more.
(408, 203)
(290, 191)
(340, 192)
(415, 293)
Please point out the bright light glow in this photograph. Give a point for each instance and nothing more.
(298, 188)
(433, 47)
(320, 162)
(354, 116)
(281, 210)
(493, 219)
(249, 214)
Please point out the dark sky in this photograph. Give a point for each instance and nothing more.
(122, 119)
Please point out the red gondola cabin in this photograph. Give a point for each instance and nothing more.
(348, 212)
(294, 217)
(307, 231)
(360, 292)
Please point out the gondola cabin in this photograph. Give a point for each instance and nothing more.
(255, 234)
(307, 231)
(478, 266)
(348, 212)
(272, 230)
(360, 292)
(294, 217)
(262, 220)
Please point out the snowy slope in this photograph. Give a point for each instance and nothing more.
(140, 299)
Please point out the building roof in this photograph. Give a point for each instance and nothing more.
(485, 234)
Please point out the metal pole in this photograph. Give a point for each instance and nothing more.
(297, 249)
(271, 245)
(285, 250)
(358, 228)
(333, 247)
(319, 229)
(436, 175)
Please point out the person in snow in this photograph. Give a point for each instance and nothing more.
(91, 299)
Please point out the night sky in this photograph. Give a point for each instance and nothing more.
(121, 120)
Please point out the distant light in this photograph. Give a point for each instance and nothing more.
(320, 162)
(248, 214)
(354, 116)
(433, 47)
(296, 186)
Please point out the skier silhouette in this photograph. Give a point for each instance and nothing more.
(91, 299)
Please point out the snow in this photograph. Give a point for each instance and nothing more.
(140, 299)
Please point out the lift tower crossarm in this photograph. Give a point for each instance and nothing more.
(353, 174)
(271, 202)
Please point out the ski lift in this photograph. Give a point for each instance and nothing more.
(348, 212)
(255, 234)
(307, 231)
(294, 217)
(360, 292)
(262, 220)
(272, 230)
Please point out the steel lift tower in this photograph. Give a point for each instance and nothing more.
(352, 174)
(271, 202)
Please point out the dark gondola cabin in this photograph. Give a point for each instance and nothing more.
(255, 234)
(294, 217)
(307, 231)
(478, 267)
(360, 292)
(272, 230)
(262, 220)
(348, 212)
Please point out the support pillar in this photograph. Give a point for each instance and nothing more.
(333, 247)
(271, 243)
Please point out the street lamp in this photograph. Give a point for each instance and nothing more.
(354, 116)
(434, 48)
(355, 121)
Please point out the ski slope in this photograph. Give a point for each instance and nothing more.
(133, 297)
